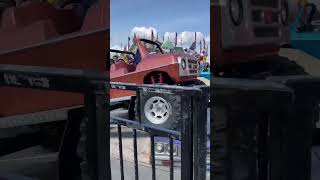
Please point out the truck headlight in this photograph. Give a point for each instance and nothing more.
(175, 149)
(236, 11)
(183, 64)
(159, 148)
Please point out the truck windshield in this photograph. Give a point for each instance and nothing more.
(153, 47)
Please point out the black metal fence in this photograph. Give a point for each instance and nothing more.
(249, 118)
(262, 129)
(194, 104)
(94, 87)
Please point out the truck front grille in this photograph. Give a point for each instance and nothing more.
(193, 66)
(265, 18)
(263, 32)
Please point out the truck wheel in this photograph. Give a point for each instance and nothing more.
(282, 66)
(161, 110)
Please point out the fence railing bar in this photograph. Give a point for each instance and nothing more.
(139, 101)
(153, 164)
(135, 152)
(145, 127)
(156, 88)
(120, 152)
(171, 159)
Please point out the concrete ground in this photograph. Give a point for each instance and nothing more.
(32, 166)
(43, 167)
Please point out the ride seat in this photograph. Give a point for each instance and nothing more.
(91, 22)
(34, 23)
(65, 20)
(121, 68)
(38, 32)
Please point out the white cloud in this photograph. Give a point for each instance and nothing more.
(144, 32)
(189, 37)
(207, 38)
(186, 38)
(117, 47)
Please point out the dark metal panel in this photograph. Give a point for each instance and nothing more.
(155, 88)
(98, 133)
(93, 85)
(59, 79)
(200, 135)
(186, 138)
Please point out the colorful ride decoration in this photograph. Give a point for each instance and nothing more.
(305, 31)
(167, 46)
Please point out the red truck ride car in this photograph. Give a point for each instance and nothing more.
(151, 65)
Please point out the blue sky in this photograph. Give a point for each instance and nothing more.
(163, 15)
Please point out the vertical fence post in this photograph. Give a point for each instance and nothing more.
(68, 162)
(98, 132)
(186, 138)
(298, 139)
(200, 134)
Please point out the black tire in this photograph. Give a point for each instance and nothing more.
(174, 119)
(282, 66)
(194, 82)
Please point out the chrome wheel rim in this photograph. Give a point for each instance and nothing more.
(157, 110)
